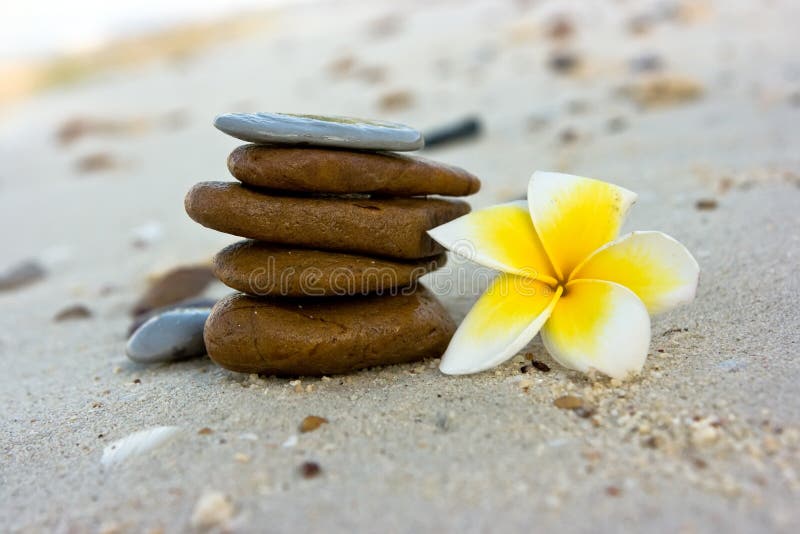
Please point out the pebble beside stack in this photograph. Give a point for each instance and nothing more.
(336, 227)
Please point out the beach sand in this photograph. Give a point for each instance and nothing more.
(707, 439)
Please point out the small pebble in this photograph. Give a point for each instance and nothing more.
(214, 509)
(21, 275)
(568, 136)
(342, 66)
(468, 127)
(99, 161)
(541, 366)
(396, 100)
(205, 431)
(646, 63)
(560, 28)
(76, 311)
(564, 62)
(201, 302)
(173, 286)
(616, 124)
(706, 204)
(311, 423)
(310, 469)
(525, 384)
(703, 433)
(171, 336)
(568, 402)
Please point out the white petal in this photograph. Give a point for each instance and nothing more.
(500, 324)
(656, 267)
(575, 216)
(600, 325)
(501, 237)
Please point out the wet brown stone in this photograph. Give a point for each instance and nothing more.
(386, 227)
(312, 422)
(318, 170)
(311, 337)
(174, 286)
(568, 402)
(259, 268)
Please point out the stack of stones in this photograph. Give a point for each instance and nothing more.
(336, 223)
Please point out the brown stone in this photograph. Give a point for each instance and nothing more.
(262, 269)
(307, 337)
(311, 423)
(319, 170)
(385, 227)
(173, 286)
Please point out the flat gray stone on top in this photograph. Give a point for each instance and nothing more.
(317, 130)
(169, 336)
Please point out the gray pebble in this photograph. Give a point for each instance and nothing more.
(195, 302)
(21, 275)
(343, 132)
(170, 336)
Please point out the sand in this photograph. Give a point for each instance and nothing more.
(706, 440)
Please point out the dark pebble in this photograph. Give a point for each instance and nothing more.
(310, 469)
(646, 63)
(76, 311)
(560, 28)
(460, 130)
(706, 204)
(568, 136)
(174, 286)
(616, 124)
(541, 366)
(21, 275)
(564, 62)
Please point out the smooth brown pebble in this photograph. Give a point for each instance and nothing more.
(174, 286)
(261, 269)
(319, 170)
(21, 275)
(311, 423)
(394, 227)
(76, 311)
(310, 469)
(706, 204)
(541, 366)
(336, 335)
(568, 402)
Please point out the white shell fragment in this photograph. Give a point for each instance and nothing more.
(136, 444)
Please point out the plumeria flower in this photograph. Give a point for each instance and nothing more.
(565, 272)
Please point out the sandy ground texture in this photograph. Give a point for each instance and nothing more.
(681, 102)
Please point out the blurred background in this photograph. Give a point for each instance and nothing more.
(106, 113)
(106, 108)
